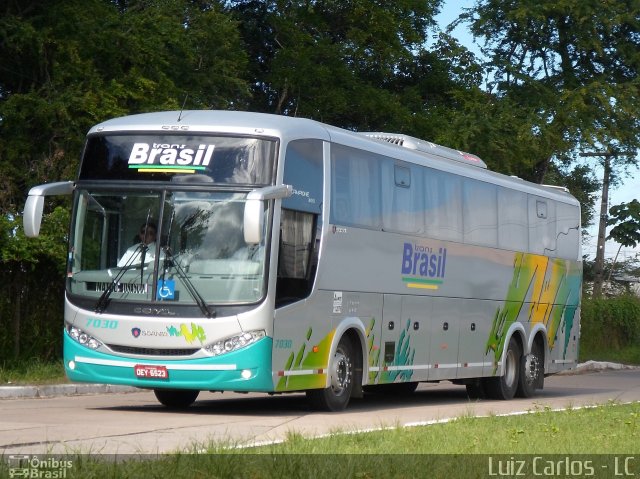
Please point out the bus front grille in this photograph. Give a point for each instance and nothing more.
(152, 351)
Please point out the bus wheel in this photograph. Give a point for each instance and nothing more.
(176, 398)
(337, 395)
(531, 372)
(505, 386)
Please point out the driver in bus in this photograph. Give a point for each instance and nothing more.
(145, 250)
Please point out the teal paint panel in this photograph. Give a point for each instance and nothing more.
(256, 358)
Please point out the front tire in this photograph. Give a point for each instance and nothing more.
(337, 395)
(176, 398)
(505, 386)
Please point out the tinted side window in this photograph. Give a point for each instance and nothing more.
(443, 205)
(303, 170)
(542, 226)
(568, 231)
(402, 199)
(480, 213)
(512, 220)
(355, 187)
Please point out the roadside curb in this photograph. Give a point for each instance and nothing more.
(595, 366)
(55, 390)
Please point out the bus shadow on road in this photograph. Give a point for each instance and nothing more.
(427, 395)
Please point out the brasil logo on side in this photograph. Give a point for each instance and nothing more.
(423, 267)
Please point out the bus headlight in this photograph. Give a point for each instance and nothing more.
(83, 338)
(234, 343)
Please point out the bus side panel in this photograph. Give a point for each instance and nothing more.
(542, 291)
(304, 332)
(445, 333)
(417, 316)
(404, 341)
(474, 357)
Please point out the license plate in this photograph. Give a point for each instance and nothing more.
(151, 372)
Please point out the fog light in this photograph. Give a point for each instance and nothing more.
(72, 365)
(246, 373)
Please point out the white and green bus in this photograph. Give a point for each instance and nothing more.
(235, 251)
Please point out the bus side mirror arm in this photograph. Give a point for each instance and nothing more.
(254, 211)
(32, 215)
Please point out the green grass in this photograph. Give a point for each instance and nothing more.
(623, 355)
(460, 448)
(33, 371)
(603, 429)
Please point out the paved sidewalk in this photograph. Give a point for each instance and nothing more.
(76, 389)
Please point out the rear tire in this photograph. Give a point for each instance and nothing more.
(531, 372)
(341, 374)
(176, 398)
(505, 386)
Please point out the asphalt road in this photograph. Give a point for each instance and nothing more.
(134, 423)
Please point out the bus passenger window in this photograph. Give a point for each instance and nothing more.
(355, 184)
(542, 226)
(568, 231)
(513, 233)
(443, 205)
(402, 200)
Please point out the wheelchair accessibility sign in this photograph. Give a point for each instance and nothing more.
(166, 290)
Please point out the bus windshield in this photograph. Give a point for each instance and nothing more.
(195, 253)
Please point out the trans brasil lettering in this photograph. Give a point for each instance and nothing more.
(170, 156)
(423, 266)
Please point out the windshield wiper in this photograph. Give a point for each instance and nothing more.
(170, 260)
(103, 300)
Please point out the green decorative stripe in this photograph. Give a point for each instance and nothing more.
(421, 281)
(166, 167)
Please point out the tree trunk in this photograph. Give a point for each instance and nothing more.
(604, 208)
(17, 314)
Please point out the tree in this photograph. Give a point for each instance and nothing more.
(64, 66)
(571, 66)
(626, 218)
(626, 232)
(335, 61)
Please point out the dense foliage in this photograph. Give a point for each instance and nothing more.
(559, 76)
(611, 326)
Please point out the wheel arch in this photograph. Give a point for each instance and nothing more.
(539, 335)
(517, 332)
(354, 329)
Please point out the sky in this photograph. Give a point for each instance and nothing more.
(627, 191)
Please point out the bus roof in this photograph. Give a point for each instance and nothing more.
(401, 147)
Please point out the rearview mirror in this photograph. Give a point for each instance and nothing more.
(254, 210)
(32, 215)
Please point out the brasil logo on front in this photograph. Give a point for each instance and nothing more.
(423, 267)
(170, 157)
